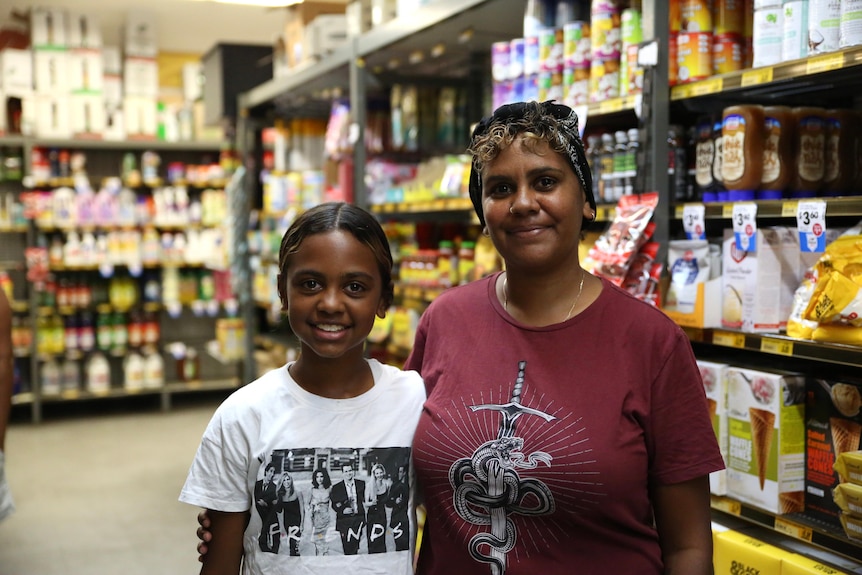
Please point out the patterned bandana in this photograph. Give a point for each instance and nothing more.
(565, 122)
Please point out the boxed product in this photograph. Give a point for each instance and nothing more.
(833, 425)
(766, 438)
(299, 16)
(715, 387)
(737, 552)
(797, 564)
(758, 286)
(848, 498)
(849, 467)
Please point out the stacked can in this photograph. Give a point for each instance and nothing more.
(794, 43)
(551, 64)
(767, 43)
(694, 42)
(605, 46)
(728, 42)
(631, 74)
(576, 63)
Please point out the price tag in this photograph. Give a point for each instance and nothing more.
(776, 346)
(824, 63)
(789, 209)
(727, 505)
(174, 309)
(198, 307)
(729, 339)
(705, 87)
(745, 227)
(611, 106)
(693, 221)
(811, 223)
(793, 529)
(727, 211)
(756, 76)
(212, 307)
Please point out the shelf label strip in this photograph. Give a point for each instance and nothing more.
(729, 339)
(793, 529)
(776, 346)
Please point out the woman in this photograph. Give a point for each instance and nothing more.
(319, 506)
(399, 495)
(292, 513)
(377, 496)
(574, 437)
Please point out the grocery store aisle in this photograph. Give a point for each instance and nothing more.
(97, 494)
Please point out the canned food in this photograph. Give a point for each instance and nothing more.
(694, 56)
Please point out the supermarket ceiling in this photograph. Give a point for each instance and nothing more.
(189, 26)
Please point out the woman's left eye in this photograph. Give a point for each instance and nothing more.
(546, 182)
(355, 287)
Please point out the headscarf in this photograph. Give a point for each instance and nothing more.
(563, 122)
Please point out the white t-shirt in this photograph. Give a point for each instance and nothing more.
(273, 422)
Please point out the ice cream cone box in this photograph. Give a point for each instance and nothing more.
(758, 286)
(797, 564)
(766, 438)
(737, 552)
(833, 425)
(715, 388)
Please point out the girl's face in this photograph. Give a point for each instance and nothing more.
(333, 292)
(548, 206)
(318, 478)
(378, 473)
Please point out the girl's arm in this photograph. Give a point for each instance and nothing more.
(683, 520)
(224, 555)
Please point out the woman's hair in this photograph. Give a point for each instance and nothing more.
(281, 488)
(327, 483)
(340, 216)
(378, 466)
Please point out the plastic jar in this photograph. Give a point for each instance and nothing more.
(810, 150)
(742, 131)
(778, 157)
(839, 175)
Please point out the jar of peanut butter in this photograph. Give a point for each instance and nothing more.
(778, 157)
(810, 150)
(742, 131)
(839, 176)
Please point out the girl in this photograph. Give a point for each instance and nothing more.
(377, 497)
(321, 513)
(331, 407)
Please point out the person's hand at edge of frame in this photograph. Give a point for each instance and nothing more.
(203, 534)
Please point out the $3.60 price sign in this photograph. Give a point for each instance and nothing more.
(693, 221)
(811, 223)
(745, 227)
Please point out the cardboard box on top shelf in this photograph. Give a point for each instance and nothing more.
(140, 117)
(83, 31)
(16, 69)
(766, 439)
(299, 16)
(359, 19)
(383, 11)
(48, 28)
(85, 71)
(53, 116)
(715, 387)
(833, 425)
(140, 37)
(737, 552)
(758, 286)
(141, 77)
(87, 116)
(51, 72)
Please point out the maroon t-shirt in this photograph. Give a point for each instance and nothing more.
(536, 446)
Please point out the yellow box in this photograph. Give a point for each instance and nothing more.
(799, 565)
(707, 307)
(737, 552)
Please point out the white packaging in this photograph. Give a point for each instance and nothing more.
(139, 37)
(112, 61)
(115, 124)
(795, 30)
(140, 116)
(53, 116)
(87, 115)
(112, 91)
(824, 17)
(193, 80)
(715, 388)
(688, 263)
(768, 36)
(141, 77)
(850, 25)
(322, 35)
(758, 286)
(85, 71)
(84, 31)
(766, 439)
(51, 72)
(16, 69)
(358, 15)
(383, 11)
(48, 28)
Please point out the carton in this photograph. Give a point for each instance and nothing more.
(715, 387)
(797, 564)
(737, 552)
(766, 438)
(16, 69)
(758, 286)
(833, 425)
(298, 17)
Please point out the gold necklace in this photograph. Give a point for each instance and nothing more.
(571, 309)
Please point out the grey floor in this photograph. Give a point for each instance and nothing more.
(97, 494)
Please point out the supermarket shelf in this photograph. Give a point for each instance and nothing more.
(780, 345)
(82, 395)
(84, 144)
(808, 74)
(840, 206)
(797, 526)
(25, 398)
(459, 206)
(421, 293)
(205, 385)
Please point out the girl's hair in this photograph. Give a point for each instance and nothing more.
(378, 466)
(327, 483)
(340, 216)
(281, 488)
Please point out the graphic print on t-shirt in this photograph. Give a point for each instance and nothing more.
(333, 501)
(492, 487)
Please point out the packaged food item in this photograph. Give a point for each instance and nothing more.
(742, 132)
(810, 146)
(778, 166)
(848, 498)
(849, 467)
(842, 133)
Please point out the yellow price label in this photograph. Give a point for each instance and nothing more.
(388, 208)
(789, 209)
(681, 92)
(678, 211)
(729, 339)
(824, 63)
(70, 394)
(727, 505)
(727, 211)
(776, 346)
(601, 214)
(439, 205)
(705, 87)
(194, 384)
(611, 106)
(793, 529)
(757, 76)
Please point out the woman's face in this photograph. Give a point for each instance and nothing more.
(547, 202)
(378, 473)
(318, 478)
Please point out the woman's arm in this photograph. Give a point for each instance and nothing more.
(682, 516)
(224, 553)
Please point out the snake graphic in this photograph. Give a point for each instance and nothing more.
(488, 488)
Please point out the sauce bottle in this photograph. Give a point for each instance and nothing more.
(718, 181)
(842, 130)
(704, 153)
(810, 149)
(742, 131)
